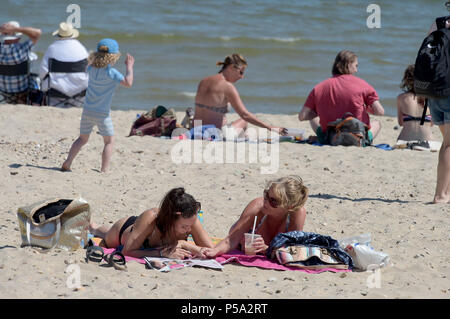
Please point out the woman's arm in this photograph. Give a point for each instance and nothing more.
(235, 100)
(244, 223)
(399, 110)
(297, 220)
(142, 228)
(200, 236)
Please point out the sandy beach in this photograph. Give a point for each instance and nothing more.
(353, 191)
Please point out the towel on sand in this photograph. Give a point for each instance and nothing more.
(262, 261)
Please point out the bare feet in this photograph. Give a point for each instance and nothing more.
(65, 167)
(440, 200)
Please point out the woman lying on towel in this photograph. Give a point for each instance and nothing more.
(160, 232)
(281, 209)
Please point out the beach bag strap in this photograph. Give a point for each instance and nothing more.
(57, 232)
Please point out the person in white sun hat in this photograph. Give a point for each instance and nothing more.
(13, 52)
(65, 48)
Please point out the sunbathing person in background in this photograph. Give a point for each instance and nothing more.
(280, 210)
(343, 93)
(215, 92)
(409, 111)
(160, 232)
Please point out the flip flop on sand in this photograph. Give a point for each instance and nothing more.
(97, 254)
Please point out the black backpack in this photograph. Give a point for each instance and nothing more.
(432, 67)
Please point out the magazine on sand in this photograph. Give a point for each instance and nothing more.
(167, 264)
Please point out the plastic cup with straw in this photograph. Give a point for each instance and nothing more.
(249, 238)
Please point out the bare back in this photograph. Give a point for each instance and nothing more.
(211, 101)
(410, 110)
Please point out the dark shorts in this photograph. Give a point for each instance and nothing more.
(440, 110)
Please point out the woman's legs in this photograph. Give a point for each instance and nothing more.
(442, 194)
(74, 149)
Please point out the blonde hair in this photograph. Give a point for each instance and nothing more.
(290, 191)
(235, 59)
(102, 58)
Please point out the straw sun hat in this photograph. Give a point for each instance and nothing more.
(66, 30)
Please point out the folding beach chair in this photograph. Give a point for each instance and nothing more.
(12, 71)
(56, 66)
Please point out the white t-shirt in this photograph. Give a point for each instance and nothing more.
(65, 50)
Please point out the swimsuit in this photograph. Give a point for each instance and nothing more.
(222, 110)
(407, 118)
(129, 222)
(288, 219)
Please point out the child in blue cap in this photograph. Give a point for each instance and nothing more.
(103, 80)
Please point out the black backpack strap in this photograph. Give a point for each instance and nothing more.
(425, 106)
(440, 22)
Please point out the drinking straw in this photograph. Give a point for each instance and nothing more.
(253, 230)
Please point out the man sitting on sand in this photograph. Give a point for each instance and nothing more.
(14, 52)
(342, 93)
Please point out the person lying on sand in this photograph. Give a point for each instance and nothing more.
(280, 210)
(160, 232)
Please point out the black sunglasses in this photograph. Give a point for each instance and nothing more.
(272, 201)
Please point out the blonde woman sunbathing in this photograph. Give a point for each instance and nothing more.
(279, 210)
(160, 232)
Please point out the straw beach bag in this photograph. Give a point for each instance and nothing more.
(60, 223)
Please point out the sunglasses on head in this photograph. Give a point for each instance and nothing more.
(272, 201)
(198, 206)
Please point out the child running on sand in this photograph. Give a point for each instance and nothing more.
(103, 80)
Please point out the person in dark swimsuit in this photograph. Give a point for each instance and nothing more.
(280, 209)
(160, 232)
(409, 111)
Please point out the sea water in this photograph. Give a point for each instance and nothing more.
(289, 45)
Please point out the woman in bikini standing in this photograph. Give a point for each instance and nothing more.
(281, 209)
(409, 111)
(159, 232)
(216, 92)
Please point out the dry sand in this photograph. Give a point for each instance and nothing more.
(352, 191)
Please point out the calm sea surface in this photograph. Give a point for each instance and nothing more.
(289, 45)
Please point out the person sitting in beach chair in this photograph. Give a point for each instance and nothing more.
(63, 69)
(280, 209)
(214, 95)
(14, 61)
(342, 93)
(160, 232)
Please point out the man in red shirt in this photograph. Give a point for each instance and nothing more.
(342, 93)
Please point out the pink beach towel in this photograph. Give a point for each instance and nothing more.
(264, 262)
(127, 258)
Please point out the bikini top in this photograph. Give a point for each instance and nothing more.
(217, 109)
(407, 118)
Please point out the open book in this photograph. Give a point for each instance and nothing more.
(308, 257)
(167, 264)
